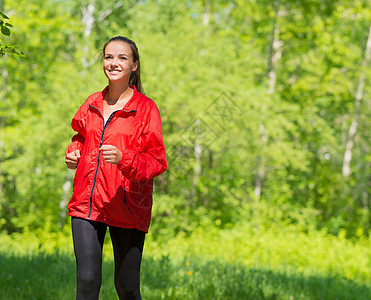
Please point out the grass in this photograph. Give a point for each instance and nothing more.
(244, 262)
(51, 276)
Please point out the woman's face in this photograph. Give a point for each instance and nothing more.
(118, 61)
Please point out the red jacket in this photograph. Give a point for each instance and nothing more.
(118, 195)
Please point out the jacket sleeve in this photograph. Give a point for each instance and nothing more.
(78, 125)
(150, 161)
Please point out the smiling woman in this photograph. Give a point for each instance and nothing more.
(129, 52)
(118, 66)
(117, 151)
(118, 62)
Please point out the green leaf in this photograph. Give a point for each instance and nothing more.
(3, 15)
(16, 56)
(8, 24)
(5, 30)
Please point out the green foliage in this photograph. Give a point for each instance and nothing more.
(207, 70)
(272, 239)
(4, 29)
(5, 25)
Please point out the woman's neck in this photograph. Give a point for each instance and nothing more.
(117, 91)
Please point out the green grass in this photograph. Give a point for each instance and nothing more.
(248, 261)
(51, 276)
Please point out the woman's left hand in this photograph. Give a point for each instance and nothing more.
(111, 154)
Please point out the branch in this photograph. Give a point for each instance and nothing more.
(104, 14)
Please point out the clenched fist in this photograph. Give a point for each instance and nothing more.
(111, 154)
(72, 159)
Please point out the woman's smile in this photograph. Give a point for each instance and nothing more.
(115, 71)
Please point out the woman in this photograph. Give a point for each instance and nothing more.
(118, 150)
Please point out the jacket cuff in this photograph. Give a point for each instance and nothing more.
(126, 162)
(76, 145)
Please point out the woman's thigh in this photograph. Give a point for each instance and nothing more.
(128, 248)
(88, 238)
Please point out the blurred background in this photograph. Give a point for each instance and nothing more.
(266, 117)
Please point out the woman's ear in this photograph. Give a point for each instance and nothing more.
(135, 67)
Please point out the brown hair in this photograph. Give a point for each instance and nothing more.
(135, 75)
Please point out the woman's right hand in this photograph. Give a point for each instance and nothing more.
(72, 159)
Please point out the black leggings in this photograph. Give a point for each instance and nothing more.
(88, 238)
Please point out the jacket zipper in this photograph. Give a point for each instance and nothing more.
(98, 161)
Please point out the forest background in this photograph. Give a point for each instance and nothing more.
(266, 114)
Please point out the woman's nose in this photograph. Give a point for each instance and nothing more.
(114, 62)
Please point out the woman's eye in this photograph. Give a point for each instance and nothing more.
(123, 58)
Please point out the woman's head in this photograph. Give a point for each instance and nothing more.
(135, 74)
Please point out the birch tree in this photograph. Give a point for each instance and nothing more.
(274, 54)
(357, 104)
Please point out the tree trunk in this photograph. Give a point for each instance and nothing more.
(2, 127)
(274, 54)
(357, 105)
(206, 16)
(88, 21)
(65, 198)
(260, 161)
(198, 154)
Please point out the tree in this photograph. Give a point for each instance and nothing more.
(5, 30)
(256, 98)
